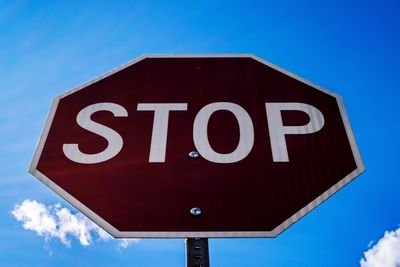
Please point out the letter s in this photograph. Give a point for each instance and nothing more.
(114, 140)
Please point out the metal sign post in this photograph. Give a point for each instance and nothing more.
(197, 252)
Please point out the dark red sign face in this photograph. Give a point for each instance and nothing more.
(199, 146)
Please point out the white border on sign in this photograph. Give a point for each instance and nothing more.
(215, 234)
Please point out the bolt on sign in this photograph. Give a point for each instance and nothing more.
(197, 146)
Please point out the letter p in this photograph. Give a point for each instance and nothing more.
(277, 130)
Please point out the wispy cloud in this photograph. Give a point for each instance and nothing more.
(386, 253)
(124, 243)
(55, 221)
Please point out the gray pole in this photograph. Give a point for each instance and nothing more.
(197, 252)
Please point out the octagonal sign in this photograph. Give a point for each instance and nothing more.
(196, 146)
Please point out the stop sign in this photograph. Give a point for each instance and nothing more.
(197, 146)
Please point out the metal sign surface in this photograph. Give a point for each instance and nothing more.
(197, 146)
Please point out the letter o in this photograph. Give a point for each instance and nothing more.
(200, 133)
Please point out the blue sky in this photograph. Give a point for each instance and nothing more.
(351, 48)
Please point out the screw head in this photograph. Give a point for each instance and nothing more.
(194, 154)
(195, 211)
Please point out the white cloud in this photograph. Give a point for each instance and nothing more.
(124, 243)
(386, 253)
(55, 221)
